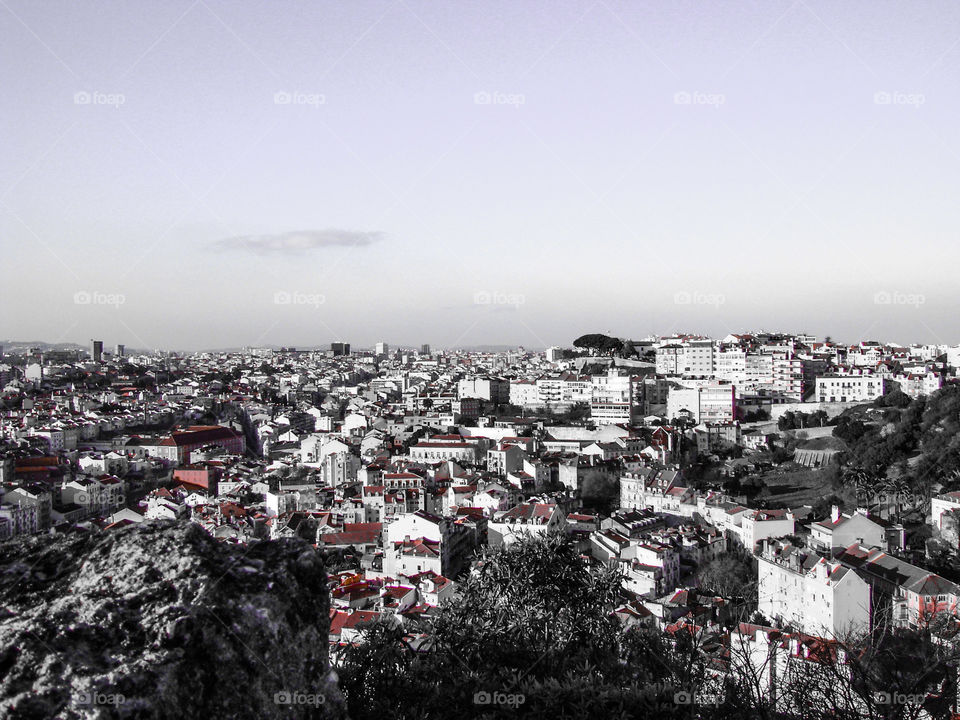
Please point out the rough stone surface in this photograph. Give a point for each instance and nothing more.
(160, 620)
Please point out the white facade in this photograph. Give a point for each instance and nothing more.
(710, 403)
(611, 402)
(941, 504)
(523, 393)
(697, 359)
(827, 599)
(849, 388)
(554, 354)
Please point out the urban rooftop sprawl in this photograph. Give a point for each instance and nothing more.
(766, 489)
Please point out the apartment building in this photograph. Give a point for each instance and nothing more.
(668, 359)
(788, 376)
(496, 390)
(849, 388)
(730, 364)
(810, 593)
(696, 359)
(420, 542)
(611, 400)
(692, 358)
(709, 403)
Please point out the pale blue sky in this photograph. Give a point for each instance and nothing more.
(777, 164)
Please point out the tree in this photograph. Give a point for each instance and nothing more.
(533, 621)
(599, 342)
(729, 576)
(600, 490)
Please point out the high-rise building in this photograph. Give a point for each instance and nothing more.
(611, 400)
(554, 354)
(382, 348)
(121, 349)
(96, 350)
(340, 348)
(425, 349)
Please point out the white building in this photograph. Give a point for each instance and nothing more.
(918, 384)
(840, 531)
(941, 504)
(811, 593)
(849, 388)
(668, 359)
(495, 390)
(709, 403)
(419, 541)
(731, 365)
(757, 525)
(524, 393)
(611, 401)
(530, 518)
(697, 359)
(953, 357)
(693, 358)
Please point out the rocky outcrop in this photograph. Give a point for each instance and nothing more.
(160, 620)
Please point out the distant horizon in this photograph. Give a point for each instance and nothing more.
(109, 346)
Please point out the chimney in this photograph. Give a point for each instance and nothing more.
(834, 513)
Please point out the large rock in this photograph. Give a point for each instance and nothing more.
(160, 620)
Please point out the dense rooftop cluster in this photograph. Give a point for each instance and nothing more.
(404, 466)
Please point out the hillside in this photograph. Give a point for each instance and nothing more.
(160, 621)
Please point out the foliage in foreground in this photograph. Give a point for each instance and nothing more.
(531, 635)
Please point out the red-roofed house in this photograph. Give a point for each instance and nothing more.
(177, 446)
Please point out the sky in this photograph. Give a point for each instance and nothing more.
(196, 174)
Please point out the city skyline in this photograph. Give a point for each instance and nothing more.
(393, 348)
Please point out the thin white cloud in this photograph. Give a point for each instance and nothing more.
(299, 241)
